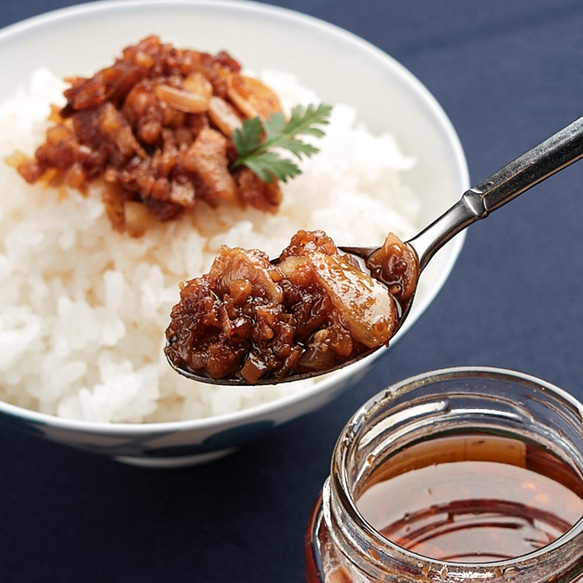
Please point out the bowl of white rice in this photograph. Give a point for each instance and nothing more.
(83, 308)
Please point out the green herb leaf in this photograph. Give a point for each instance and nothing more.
(248, 137)
(270, 165)
(274, 126)
(254, 141)
(300, 148)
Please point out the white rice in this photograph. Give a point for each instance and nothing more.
(83, 309)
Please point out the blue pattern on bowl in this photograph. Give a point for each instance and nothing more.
(233, 437)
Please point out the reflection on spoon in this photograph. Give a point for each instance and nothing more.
(317, 307)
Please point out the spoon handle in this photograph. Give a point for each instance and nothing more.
(542, 161)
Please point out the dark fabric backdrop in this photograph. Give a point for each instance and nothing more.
(508, 74)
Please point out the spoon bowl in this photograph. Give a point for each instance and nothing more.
(550, 156)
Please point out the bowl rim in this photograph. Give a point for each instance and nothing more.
(71, 13)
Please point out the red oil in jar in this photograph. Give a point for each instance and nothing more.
(472, 498)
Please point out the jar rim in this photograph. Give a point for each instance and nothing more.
(340, 479)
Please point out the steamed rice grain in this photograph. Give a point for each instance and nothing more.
(83, 308)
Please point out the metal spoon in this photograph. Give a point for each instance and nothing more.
(542, 161)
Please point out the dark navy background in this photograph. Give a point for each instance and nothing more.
(508, 74)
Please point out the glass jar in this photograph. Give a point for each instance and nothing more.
(344, 547)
